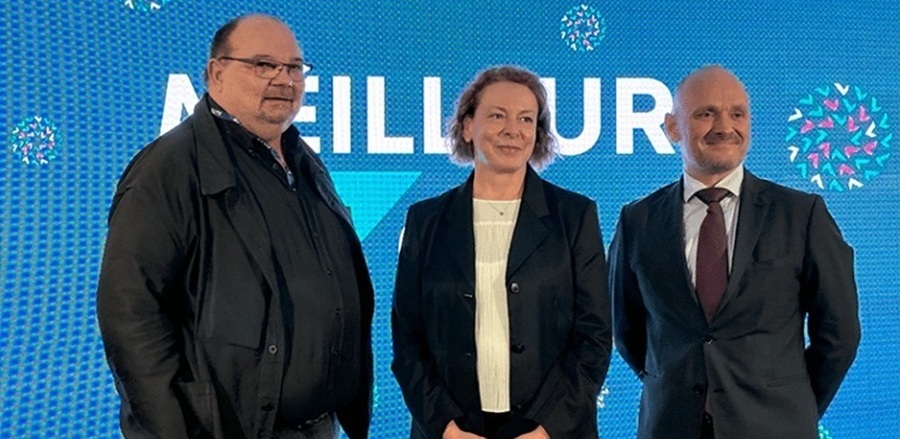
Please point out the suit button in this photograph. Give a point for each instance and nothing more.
(698, 389)
(273, 349)
(468, 295)
(518, 348)
(468, 354)
(514, 288)
(708, 339)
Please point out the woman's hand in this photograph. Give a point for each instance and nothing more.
(454, 432)
(537, 433)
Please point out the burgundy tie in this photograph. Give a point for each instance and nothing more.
(712, 252)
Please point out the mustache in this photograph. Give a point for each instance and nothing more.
(723, 137)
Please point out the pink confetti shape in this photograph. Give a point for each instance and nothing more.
(814, 159)
(832, 104)
(863, 115)
(827, 123)
(851, 124)
(869, 148)
(843, 169)
(849, 150)
(825, 147)
(807, 126)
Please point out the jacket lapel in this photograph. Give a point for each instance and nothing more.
(530, 230)
(215, 169)
(753, 209)
(456, 240)
(668, 236)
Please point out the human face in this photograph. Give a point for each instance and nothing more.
(266, 107)
(711, 122)
(503, 128)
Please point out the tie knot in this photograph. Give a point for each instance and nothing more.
(712, 194)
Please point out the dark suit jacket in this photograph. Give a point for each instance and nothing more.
(559, 314)
(790, 265)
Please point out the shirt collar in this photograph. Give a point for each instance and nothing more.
(732, 182)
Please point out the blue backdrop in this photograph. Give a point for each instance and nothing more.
(87, 84)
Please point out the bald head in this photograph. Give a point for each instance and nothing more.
(710, 120)
(698, 77)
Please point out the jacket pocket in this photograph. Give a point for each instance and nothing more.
(198, 409)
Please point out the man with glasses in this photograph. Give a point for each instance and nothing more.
(234, 299)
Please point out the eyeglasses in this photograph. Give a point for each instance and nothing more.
(269, 69)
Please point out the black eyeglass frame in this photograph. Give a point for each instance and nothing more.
(269, 69)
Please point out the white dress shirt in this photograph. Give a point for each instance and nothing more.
(695, 212)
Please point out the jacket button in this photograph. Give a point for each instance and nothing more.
(514, 288)
(708, 339)
(468, 354)
(518, 348)
(273, 349)
(468, 295)
(698, 389)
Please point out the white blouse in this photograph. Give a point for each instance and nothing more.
(494, 221)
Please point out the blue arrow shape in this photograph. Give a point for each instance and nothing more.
(807, 142)
(371, 195)
(861, 162)
(827, 168)
(875, 106)
(884, 122)
(818, 112)
(886, 139)
(859, 94)
(822, 135)
(791, 133)
(835, 186)
(808, 100)
(837, 155)
(850, 106)
(824, 91)
(803, 169)
(881, 159)
(856, 137)
(870, 174)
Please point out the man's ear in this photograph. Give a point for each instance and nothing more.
(213, 72)
(672, 128)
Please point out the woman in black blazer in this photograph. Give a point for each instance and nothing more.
(501, 320)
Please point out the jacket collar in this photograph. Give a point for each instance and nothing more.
(215, 162)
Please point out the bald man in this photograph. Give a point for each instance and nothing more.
(714, 279)
(234, 300)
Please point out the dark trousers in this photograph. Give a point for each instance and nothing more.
(325, 427)
(503, 426)
(706, 430)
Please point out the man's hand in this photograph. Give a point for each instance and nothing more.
(537, 433)
(454, 432)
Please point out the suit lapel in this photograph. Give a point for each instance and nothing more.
(530, 230)
(456, 239)
(670, 237)
(753, 208)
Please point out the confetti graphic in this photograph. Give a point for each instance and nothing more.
(823, 433)
(34, 141)
(839, 137)
(145, 5)
(582, 28)
(601, 399)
